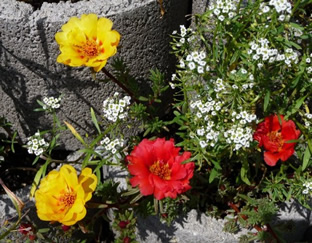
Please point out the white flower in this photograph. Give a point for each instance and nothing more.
(182, 64)
(266, 9)
(192, 65)
(172, 85)
(200, 132)
(308, 60)
(221, 18)
(202, 55)
(216, 12)
(281, 17)
(182, 30)
(189, 58)
(255, 57)
(305, 191)
(231, 15)
(202, 144)
(200, 69)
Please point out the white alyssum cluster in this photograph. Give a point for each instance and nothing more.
(308, 119)
(111, 145)
(240, 134)
(195, 61)
(281, 6)
(218, 85)
(51, 103)
(36, 144)
(260, 50)
(308, 188)
(202, 110)
(223, 9)
(115, 108)
(183, 36)
(207, 133)
(291, 57)
(249, 79)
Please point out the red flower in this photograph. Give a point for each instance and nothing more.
(157, 168)
(273, 136)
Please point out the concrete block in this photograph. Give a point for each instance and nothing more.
(28, 51)
(199, 6)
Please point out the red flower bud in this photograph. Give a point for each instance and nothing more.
(126, 240)
(65, 227)
(25, 229)
(32, 237)
(123, 224)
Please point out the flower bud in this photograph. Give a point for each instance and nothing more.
(65, 228)
(123, 224)
(25, 228)
(126, 240)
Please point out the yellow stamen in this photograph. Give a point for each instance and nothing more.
(160, 169)
(276, 137)
(68, 198)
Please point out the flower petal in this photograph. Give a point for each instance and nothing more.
(271, 158)
(88, 181)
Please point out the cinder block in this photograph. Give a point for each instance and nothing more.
(28, 51)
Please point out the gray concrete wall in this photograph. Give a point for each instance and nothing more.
(28, 51)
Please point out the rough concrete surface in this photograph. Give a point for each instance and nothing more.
(28, 52)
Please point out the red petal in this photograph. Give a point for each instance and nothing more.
(178, 172)
(159, 183)
(271, 158)
(164, 150)
(289, 131)
(138, 169)
(158, 194)
(145, 187)
(286, 153)
(274, 122)
(269, 145)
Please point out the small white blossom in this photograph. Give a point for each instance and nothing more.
(192, 65)
(114, 108)
(36, 144)
(51, 103)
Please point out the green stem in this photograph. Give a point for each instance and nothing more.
(115, 80)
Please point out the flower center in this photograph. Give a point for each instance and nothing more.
(276, 137)
(160, 169)
(90, 48)
(68, 199)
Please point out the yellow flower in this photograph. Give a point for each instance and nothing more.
(88, 41)
(62, 195)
